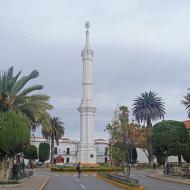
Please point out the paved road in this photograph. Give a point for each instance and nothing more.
(154, 184)
(70, 182)
(89, 182)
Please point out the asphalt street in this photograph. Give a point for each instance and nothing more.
(154, 184)
(70, 182)
(61, 181)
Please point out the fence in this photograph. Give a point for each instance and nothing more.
(175, 169)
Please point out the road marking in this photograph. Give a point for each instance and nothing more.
(83, 187)
(56, 175)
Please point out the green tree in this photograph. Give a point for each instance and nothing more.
(44, 152)
(14, 137)
(161, 160)
(186, 151)
(30, 152)
(148, 107)
(122, 138)
(55, 132)
(14, 95)
(169, 138)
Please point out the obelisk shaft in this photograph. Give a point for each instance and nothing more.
(86, 149)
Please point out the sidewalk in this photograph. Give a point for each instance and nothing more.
(160, 176)
(34, 183)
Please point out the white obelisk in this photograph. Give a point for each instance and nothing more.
(86, 148)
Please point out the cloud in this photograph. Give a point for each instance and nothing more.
(139, 45)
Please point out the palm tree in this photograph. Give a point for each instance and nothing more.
(186, 103)
(55, 132)
(15, 96)
(148, 108)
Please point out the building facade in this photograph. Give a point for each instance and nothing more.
(69, 149)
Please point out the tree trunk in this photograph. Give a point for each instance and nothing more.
(8, 171)
(3, 168)
(179, 160)
(150, 157)
(52, 150)
(126, 168)
(149, 147)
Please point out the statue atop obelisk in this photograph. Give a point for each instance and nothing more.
(86, 148)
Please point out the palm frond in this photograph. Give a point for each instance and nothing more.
(22, 82)
(31, 89)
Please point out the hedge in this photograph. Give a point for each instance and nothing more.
(85, 169)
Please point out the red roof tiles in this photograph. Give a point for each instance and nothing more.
(187, 123)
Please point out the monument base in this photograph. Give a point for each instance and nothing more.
(87, 154)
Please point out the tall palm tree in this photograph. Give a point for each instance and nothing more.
(186, 103)
(55, 132)
(14, 95)
(148, 107)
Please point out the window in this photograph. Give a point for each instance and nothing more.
(68, 151)
(67, 160)
(91, 155)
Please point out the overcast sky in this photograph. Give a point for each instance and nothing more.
(139, 45)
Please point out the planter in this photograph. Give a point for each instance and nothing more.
(120, 181)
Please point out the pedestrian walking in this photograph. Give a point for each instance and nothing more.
(79, 169)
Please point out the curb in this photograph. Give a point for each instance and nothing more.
(166, 179)
(44, 183)
(119, 184)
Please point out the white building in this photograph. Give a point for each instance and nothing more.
(69, 149)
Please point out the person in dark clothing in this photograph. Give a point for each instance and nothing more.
(79, 169)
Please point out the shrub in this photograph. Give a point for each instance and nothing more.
(30, 152)
(85, 169)
(44, 151)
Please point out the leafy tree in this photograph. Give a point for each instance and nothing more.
(14, 95)
(148, 107)
(123, 136)
(186, 151)
(14, 137)
(169, 138)
(161, 159)
(44, 152)
(55, 132)
(30, 152)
